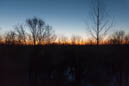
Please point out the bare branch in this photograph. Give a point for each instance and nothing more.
(40, 31)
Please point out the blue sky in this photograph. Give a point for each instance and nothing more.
(67, 17)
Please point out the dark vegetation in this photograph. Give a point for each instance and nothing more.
(32, 55)
(40, 58)
(64, 65)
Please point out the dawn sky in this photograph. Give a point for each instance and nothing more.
(67, 17)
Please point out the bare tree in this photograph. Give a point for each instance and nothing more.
(117, 37)
(75, 39)
(62, 40)
(39, 30)
(48, 36)
(126, 38)
(21, 34)
(10, 38)
(1, 39)
(91, 41)
(35, 25)
(100, 20)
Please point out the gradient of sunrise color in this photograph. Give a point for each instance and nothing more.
(67, 17)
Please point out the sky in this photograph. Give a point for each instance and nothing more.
(67, 17)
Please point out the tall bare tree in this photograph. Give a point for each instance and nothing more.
(35, 25)
(39, 30)
(100, 20)
(21, 34)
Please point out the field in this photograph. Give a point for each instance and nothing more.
(64, 65)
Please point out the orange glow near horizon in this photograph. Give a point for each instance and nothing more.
(86, 42)
(68, 42)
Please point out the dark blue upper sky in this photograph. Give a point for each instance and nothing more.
(66, 16)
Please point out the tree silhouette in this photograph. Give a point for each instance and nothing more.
(117, 37)
(62, 40)
(40, 32)
(10, 38)
(0, 39)
(126, 38)
(21, 34)
(91, 41)
(100, 20)
(48, 35)
(36, 27)
(75, 39)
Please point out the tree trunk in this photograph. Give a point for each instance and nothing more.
(98, 23)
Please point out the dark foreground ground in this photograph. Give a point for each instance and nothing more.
(58, 65)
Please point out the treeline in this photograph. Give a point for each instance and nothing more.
(37, 32)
